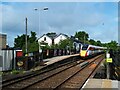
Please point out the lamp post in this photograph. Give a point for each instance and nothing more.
(84, 39)
(42, 9)
(37, 9)
(26, 37)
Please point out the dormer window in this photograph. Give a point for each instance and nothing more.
(60, 37)
(44, 38)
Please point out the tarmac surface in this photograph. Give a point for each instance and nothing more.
(102, 84)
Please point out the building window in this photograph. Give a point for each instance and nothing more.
(44, 38)
(60, 37)
(52, 41)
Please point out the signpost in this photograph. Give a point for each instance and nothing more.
(108, 60)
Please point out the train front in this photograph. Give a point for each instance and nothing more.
(83, 51)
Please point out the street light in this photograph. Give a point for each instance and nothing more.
(44, 9)
(84, 39)
(26, 48)
(37, 9)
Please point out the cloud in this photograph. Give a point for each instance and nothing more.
(93, 19)
(61, 18)
(116, 19)
(10, 18)
(0, 18)
(61, 0)
(105, 35)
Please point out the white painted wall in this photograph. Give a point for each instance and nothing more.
(48, 40)
(60, 37)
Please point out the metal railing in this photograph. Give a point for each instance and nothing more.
(115, 65)
(28, 62)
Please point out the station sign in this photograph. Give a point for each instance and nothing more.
(109, 60)
(107, 55)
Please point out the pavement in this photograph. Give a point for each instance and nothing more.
(102, 84)
(58, 58)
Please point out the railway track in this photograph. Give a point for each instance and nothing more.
(43, 69)
(70, 78)
(80, 77)
(43, 73)
(66, 76)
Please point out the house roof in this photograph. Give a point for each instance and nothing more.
(75, 40)
(3, 35)
(61, 34)
(53, 36)
(42, 36)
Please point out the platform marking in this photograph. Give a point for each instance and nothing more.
(85, 84)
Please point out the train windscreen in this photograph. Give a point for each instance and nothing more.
(85, 47)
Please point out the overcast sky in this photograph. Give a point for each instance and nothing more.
(98, 19)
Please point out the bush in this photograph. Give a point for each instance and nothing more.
(15, 72)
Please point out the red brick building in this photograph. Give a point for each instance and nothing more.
(3, 40)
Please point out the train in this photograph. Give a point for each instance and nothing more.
(90, 50)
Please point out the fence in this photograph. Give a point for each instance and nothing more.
(115, 65)
(7, 59)
(28, 62)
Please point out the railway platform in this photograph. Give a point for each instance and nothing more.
(73, 77)
(101, 84)
(53, 60)
(47, 62)
(58, 58)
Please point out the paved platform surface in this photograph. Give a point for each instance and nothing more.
(53, 60)
(102, 84)
(58, 58)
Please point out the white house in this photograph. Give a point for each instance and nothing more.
(55, 39)
(52, 39)
(46, 39)
(60, 37)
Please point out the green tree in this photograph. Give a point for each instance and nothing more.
(98, 43)
(32, 47)
(82, 36)
(54, 46)
(63, 44)
(112, 45)
(19, 42)
(92, 42)
(33, 37)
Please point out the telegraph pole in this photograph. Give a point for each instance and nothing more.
(84, 39)
(26, 35)
(108, 68)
